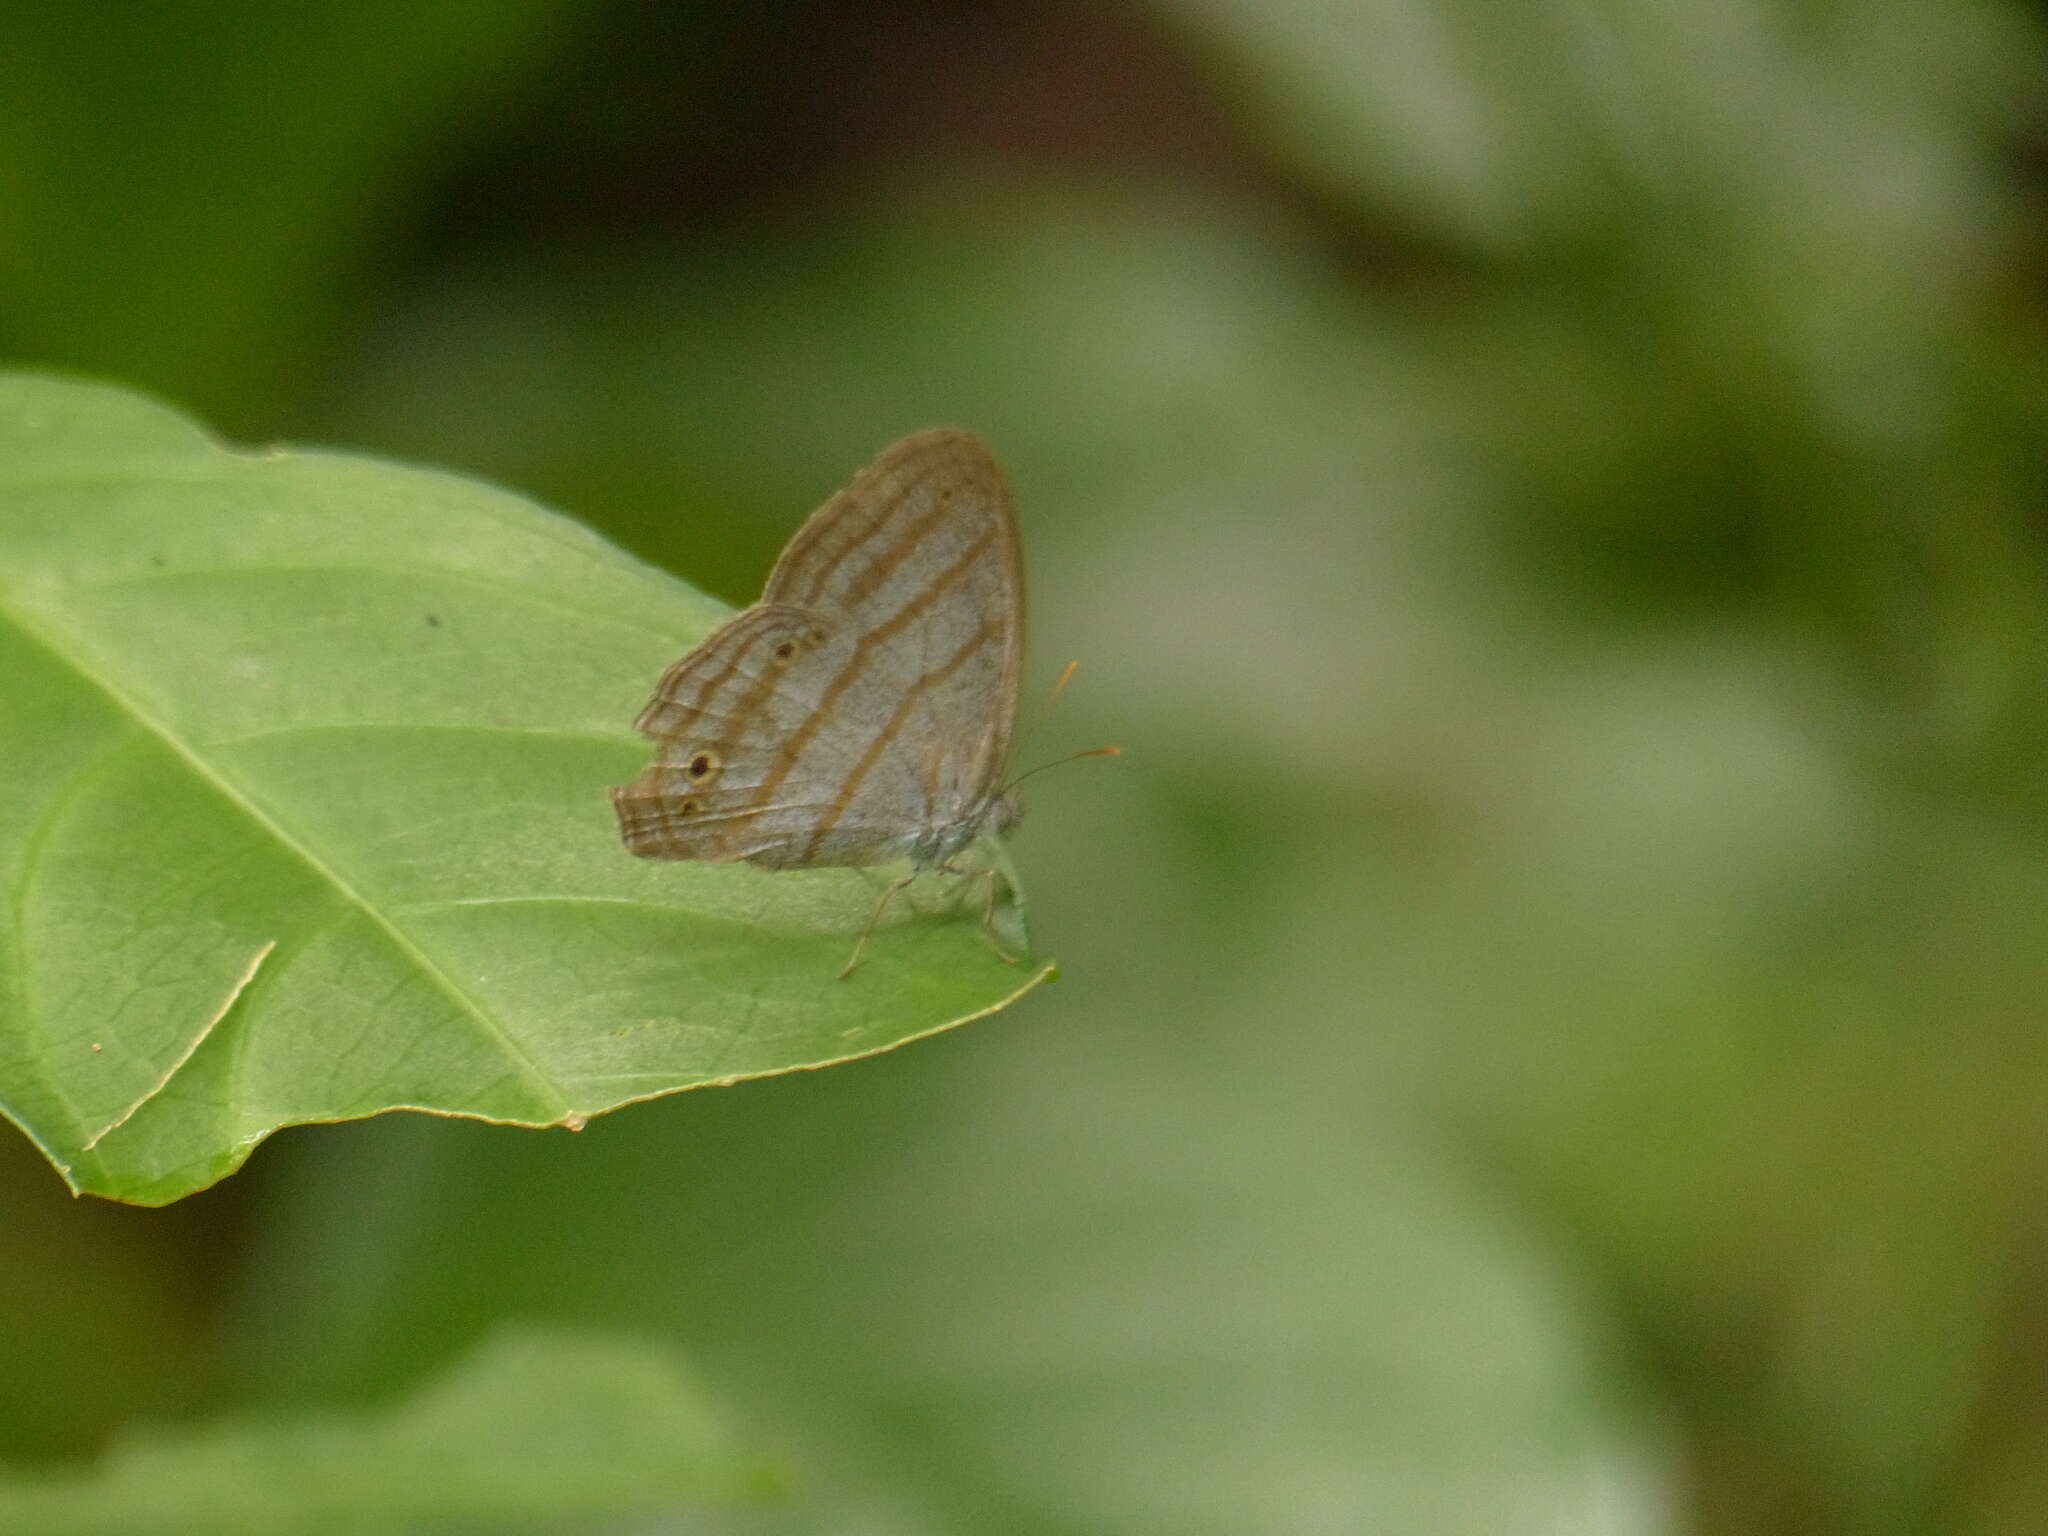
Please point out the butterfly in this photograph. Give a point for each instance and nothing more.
(861, 711)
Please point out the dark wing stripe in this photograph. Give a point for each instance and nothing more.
(785, 759)
(669, 691)
(851, 537)
(911, 698)
(877, 571)
(720, 671)
(718, 680)
(740, 716)
(888, 561)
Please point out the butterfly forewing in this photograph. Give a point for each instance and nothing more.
(865, 704)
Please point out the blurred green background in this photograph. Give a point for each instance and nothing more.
(1547, 495)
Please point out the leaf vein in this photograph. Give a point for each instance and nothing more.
(144, 719)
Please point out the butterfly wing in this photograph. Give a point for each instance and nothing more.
(862, 710)
(716, 716)
(917, 561)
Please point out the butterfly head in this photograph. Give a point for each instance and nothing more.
(937, 844)
(1005, 810)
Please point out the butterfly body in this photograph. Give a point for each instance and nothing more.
(861, 711)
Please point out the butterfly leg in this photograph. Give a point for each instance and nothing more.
(874, 917)
(988, 909)
(988, 921)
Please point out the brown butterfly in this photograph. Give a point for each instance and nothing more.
(861, 711)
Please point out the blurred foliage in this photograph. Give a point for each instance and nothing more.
(1548, 498)
(534, 1427)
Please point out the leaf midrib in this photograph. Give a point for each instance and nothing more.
(145, 720)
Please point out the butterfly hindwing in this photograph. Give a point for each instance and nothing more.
(716, 717)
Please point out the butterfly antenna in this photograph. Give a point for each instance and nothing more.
(1069, 758)
(1060, 687)
(1052, 697)
(1066, 676)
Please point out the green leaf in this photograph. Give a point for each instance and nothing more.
(306, 816)
(535, 1426)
